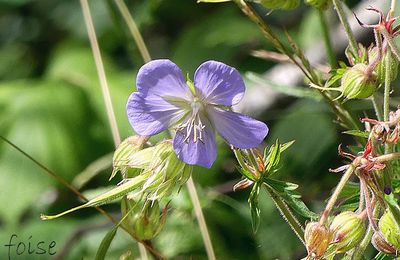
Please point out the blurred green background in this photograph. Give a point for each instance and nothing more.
(51, 106)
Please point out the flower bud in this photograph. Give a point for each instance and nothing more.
(356, 83)
(164, 171)
(319, 4)
(389, 229)
(124, 153)
(317, 239)
(145, 220)
(380, 244)
(280, 4)
(380, 68)
(348, 229)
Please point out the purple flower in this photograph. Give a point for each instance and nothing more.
(164, 99)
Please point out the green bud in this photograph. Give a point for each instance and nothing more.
(380, 68)
(380, 243)
(390, 229)
(146, 220)
(124, 154)
(165, 171)
(316, 237)
(280, 4)
(356, 84)
(319, 4)
(348, 229)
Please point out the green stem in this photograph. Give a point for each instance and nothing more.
(392, 7)
(343, 19)
(100, 72)
(336, 193)
(130, 22)
(200, 218)
(391, 43)
(287, 214)
(386, 95)
(327, 40)
(377, 109)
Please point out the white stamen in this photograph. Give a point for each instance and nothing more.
(193, 127)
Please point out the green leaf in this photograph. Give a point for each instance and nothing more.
(254, 208)
(358, 133)
(273, 156)
(294, 91)
(105, 243)
(287, 145)
(286, 191)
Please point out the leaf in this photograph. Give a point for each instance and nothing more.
(105, 243)
(254, 208)
(358, 133)
(273, 156)
(294, 91)
(286, 191)
(287, 145)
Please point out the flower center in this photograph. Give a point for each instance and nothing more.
(193, 127)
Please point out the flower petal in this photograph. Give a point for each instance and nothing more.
(219, 83)
(162, 78)
(238, 130)
(197, 153)
(150, 115)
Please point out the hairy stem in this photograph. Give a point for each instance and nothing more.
(327, 40)
(336, 193)
(386, 95)
(343, 19)
(392, 8)
(377, 109)
(392, 44)
(287, 214)
(130, 22)
(200, 218)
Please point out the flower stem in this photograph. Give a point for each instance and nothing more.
(343, 19)
(106, 95)
(287, 214)
(100, 71)
(200, 218)
(130, 22)
(392, 7)
(327, 40)
(377, 109)
(336, 193)
(391, 43)
(386, 95)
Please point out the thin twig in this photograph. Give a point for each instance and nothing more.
(130, 22)
(200, 218)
